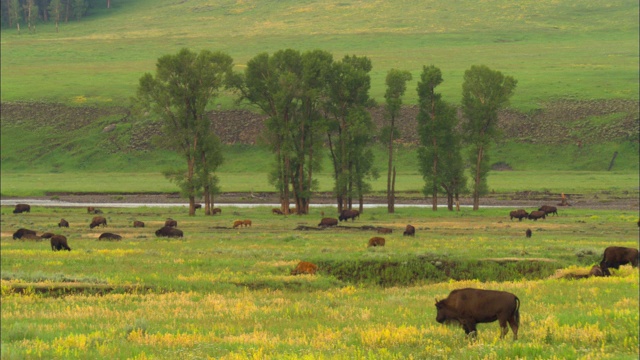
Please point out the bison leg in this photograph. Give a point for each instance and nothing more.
(513, 323)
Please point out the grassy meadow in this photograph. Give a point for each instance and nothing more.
(228, 294)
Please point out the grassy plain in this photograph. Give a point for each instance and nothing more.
(227, 293)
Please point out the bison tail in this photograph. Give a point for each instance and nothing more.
(516, 313)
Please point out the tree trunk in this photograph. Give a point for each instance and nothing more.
(477, 180)
(108, 4)
(392, 203)
(361, 203)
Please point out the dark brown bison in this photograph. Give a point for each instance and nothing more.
(376, 241)
(473, 306)
(216, 211)
(597, 271)
(614, 256)
(349, 214)
(197, 206)
(384, 230)
(47, 235)
(305, 267)
(548, 209)
(170, 223)
(59, 242)
(97, 221)
(22, 232)
(276, 211)
(528, 233)
(518, 214)
(63, 223)
(110, 236)
(238, 223)
(20, 208)
(169, 231)
(535, 215)
(410, 230)
(326, 222)
(138, 224)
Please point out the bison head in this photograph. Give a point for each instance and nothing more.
(444, 314)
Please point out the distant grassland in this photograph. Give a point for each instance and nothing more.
(568, 50)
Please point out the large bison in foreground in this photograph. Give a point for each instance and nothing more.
(20, 208)
(59, 242)
(614, 256)
(473, 306)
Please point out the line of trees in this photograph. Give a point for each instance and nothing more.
(31, 12)
(313, 103)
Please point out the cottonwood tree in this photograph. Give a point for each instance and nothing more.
(396, 81)
(179, 92)
(14, 13)
(55, 9)
(484, 93)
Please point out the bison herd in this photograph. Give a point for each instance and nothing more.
(541, 213)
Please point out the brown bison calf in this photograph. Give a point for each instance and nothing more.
(518, 214)
(535, 215)
(247, 223)
(169, 231)
(97, 221)
(91, 210)
(409, 231)
(305, 267)
(238, 223)
(383, 230)
(528, 233)
(216, 211)
(614, 256)
(326, 222)
(597, 271)
(63, 223)
(138, 224)
(170, 223)
(110, 236)
(376, 241)
(59, 242)
(22, 232)
(548, 209)
(20, 208)
(473, 306)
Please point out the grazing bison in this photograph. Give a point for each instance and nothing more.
(47, 235)
(138, 224)
(597, 271)
(326, 222)
(91, 210)
(383, 230)
(20, 208)
(535, 215)
(110, 236)
(528, 233)
(63, 223)
(376, 241)
(247, 223)
(548, 209)
(216, 211)
(349, 214)
(518, 214)
(22, 232)
(170, 223)
(169, 231)
(276, 211)
(473, 306)
(305, 267)
(197, 206)
(409, 231)
(97, 221)
(614, 256)
(59, 242)
(238, 223)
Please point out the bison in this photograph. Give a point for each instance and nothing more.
(376, 241)
(47, 235)
(614, 256)
(238, 223)
(197, 206)
(59, 242)
(528, 233)
(110, 236)
(22, 232)
(170, 223)
(97, 221)
(349, 214)
(548, 209)
(383, 230)
(169, 231)
(473, 306)
(535, 215)
(246, 222)
(276, 211)
(138, 224)
(305, 267)
(91, 210)
(597, 271)
(326, 222)
(518, 214)
(216, 211)
(63, 223)
(20, 208)
(409, 231)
